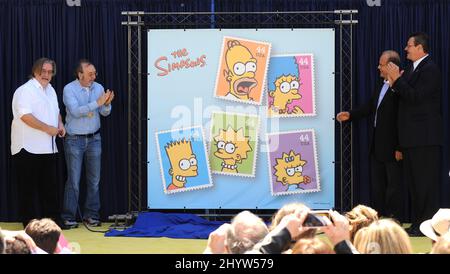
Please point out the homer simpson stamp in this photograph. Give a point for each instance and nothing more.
(242, 70)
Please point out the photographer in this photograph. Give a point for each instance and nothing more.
(298, 223)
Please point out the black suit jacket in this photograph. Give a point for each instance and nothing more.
(384, 138)
(419, 117)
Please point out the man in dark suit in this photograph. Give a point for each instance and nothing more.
(420, 127)
(385, 168)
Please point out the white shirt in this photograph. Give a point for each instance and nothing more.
(32, 98)
(417, 62)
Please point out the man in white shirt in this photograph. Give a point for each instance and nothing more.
(35, 125)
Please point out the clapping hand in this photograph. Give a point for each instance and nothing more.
(393, 73)
(110, 98)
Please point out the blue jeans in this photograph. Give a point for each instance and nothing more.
(77, 149)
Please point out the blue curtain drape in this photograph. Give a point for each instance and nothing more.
(30, 29)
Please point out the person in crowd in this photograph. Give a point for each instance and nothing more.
(246, 230)
(9, 236)
(437, 226)
(289, 209)
(279, 239)
(18, 246)
(337, 230)
(383, 237)
(217, 240)
(286, 210)
(45, 233)
(311, 246)
(360, 216)
(2, 243)
(442, 245)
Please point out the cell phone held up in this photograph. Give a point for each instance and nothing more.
(314, 219)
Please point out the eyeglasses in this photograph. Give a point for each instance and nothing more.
(44, 71)
(90, 74)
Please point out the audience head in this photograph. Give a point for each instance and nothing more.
(438, 225)
(442, 245)
(289, 209)
(245, 231)
(18, 246)
(383, 237)
(311, 246)
(2, 243)
(359, 217)
(45, 233)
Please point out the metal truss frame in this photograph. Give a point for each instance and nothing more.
(138, 22)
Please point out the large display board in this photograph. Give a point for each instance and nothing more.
(241, 118)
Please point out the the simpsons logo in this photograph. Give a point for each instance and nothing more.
(182, 61)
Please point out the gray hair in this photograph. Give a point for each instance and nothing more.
(246, 230)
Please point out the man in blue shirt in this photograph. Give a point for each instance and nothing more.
(85, 101)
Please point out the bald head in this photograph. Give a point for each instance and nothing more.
(392, 56)
(386, 57)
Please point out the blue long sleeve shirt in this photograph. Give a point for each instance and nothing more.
(83, 112)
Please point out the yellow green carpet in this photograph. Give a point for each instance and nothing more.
(86, 242)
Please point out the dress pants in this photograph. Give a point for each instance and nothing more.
(386, 187)
(36, 178)
(421, 169)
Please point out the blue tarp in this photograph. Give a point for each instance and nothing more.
(171, 225)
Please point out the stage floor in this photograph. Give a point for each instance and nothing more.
(87, 242)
